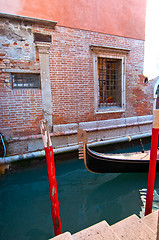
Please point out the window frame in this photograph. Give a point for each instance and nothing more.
(25, 84)
(97, 109)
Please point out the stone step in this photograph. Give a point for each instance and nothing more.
(99, 231)
(133, 228)
(151, 220)
(63, 236)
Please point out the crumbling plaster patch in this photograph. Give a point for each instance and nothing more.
(17, 40)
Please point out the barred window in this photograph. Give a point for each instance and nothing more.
(25, 80)
(109, 82)
(109, 66)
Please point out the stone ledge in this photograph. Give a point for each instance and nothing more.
(96, 48)
(28, 19)
(17, 70)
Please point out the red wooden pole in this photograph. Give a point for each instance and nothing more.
(51, 177)
(152, 164)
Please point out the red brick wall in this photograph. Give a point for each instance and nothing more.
(72, 81)
(71, 69)
(21, 110)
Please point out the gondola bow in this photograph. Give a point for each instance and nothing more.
(115, 163)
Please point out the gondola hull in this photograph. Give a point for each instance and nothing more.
(117, 163)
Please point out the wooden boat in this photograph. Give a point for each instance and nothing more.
(114, 163)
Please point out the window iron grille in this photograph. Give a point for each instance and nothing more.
(25, 80)
(109, 82)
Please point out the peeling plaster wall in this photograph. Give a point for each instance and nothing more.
(16, 41)
(21, 109)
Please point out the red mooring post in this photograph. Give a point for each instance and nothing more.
(51, 177)
(152, 164)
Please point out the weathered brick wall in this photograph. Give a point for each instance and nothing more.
(71, 69)
(71, 75)
(21, 109)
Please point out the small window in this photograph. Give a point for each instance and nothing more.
(109, 82)
(38, 37)
(109, 65)
(25, 80)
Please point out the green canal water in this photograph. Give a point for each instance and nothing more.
(85, 198)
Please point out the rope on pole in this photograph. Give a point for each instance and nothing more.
(51, 177)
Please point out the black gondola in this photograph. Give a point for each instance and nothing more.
(115, 163)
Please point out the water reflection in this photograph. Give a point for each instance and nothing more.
(85, 198)
(155, 203)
